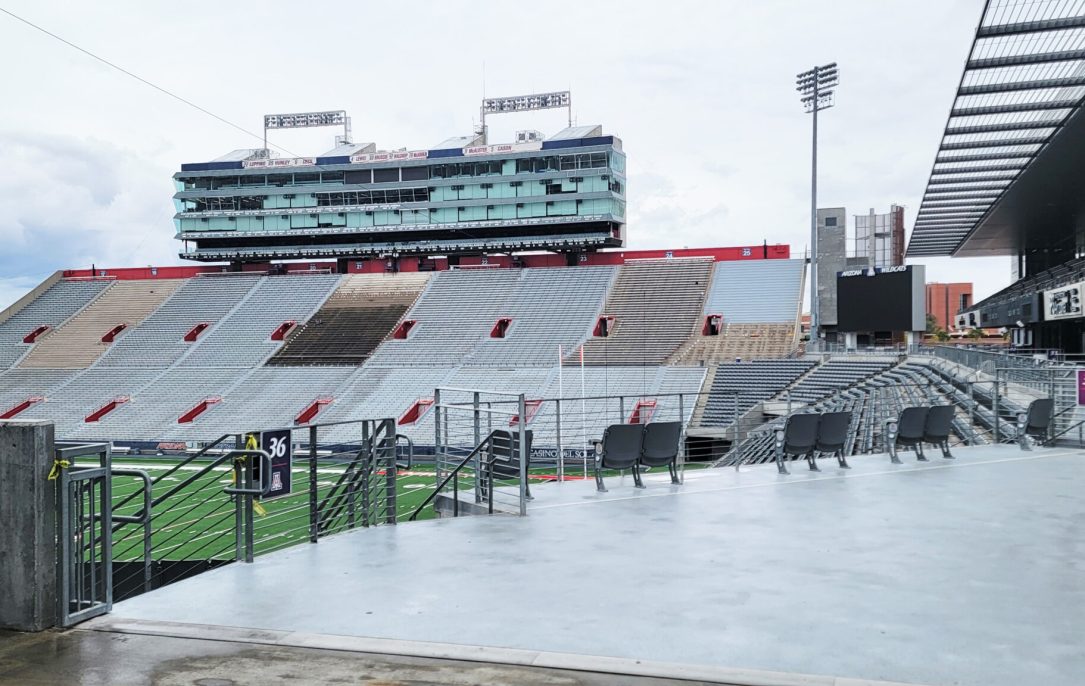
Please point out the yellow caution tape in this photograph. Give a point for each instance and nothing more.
(58, 464)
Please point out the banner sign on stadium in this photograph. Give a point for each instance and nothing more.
(279, 162)
(1063, 302)
(276, 444)
(394, 156)
(502, 148)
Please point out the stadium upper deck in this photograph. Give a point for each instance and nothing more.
(565, 193)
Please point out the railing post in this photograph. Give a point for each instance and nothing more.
(391, 472)
(239, 506)
(561, 450)
(476, 417)
(621, 409)
(314, 514)
(522, 451)
(994, 402)
(682, 438)
(437, 435)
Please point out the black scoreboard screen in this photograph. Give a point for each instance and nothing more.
(890, 299)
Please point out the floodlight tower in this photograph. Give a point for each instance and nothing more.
(816, 88)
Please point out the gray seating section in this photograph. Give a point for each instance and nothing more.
(272, 397)
(52, 308)
(738, 387)
(153, 411)
(835, 375)
(159, 340)
(756, 291)
(69, 404)
(18, 385)
(453, 314)
(549, 308)
(243, 338)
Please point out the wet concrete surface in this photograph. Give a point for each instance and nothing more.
(95, 658)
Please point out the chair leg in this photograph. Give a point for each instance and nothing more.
(636, 476)
(842, 460)
(893, 454)
(944, 445)
(780, 467)
(812, 460)
(674, 473)
(919, 452)
(599, 480)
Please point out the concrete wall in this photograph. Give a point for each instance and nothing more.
(832, 251)
(28, 545)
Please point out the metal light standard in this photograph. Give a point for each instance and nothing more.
(816, 88)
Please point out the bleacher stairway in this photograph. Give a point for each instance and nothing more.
(354, 321)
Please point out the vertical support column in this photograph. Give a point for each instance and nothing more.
(561, 450)
(522, 451)
(391, 470)
(314, 516)
(28, 541)
(477, 466)
(239, 507)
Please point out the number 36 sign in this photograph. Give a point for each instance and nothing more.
(277, 444)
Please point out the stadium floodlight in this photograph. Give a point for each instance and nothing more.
(526, 103)
(815, 86)
(306, 120)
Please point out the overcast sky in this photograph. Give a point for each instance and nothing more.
(701, 93)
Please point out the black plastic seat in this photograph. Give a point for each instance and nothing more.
(938, 427)
(833, 435)
(909, 432)
(619, 449)
(660, 446)
(504, 456)
(798, 437)
(1036, 421)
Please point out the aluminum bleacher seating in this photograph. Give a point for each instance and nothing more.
(244, 337)
(51, 308)
(549, 308)
(158, 341)
(738, 387)
(758, 302)
(79, 342)
(656, 305)
(87, 392)
(835, 375)
(361, 313)
(452, 315)
(20, 385)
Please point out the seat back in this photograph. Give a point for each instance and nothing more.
(621, 445)
(910, 425)
(801, 433)
(505, 447)
(833, 431)
(939, 423)
(660, 445)
(1040, 413)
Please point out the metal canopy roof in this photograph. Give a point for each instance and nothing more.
(1024, 78)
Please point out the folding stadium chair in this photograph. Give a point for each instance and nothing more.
(1035, 422)
(833, 435)
(907, 430)
(798, 437)
(619, 449)
(504, 458)
(660, 446)
(938, 426)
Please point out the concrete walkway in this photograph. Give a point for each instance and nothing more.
(965, 572)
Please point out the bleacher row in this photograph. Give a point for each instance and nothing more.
(248, 350)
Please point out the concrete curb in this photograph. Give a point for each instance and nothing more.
(469, 653)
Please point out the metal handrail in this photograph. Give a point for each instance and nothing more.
(454, 473)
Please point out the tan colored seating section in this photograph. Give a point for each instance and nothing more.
(655, 305)
(78, 343)
(745, 341)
